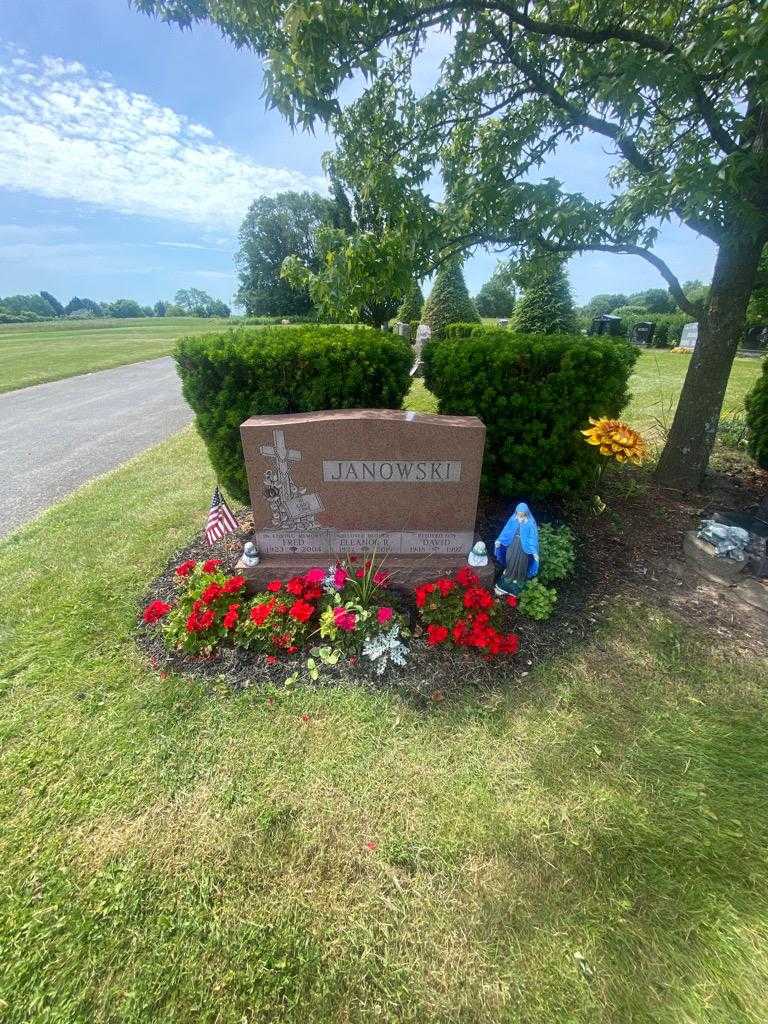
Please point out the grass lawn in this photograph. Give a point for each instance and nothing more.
(588, 845)
(655, 386)
(34, 353)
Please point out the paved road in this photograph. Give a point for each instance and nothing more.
(54, 437)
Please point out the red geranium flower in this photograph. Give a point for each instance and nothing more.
(445, 586)
(281, 609)
(344, 619)
(477, 597)
(282, 640)
(466, 578)
(295, 586)
(271, 659)
(436, 634)
(340, 577)
(301, 611)
(512, 601)
(197, 623)
(313, 593)
(314, 576)
(360, 574)
(384, 615)
(186, 567)
(233, 584)
(211, 565)
(231, 616)
(274, 585)
(211, 593)
(156, 610)
(381, 578)
(260, 612)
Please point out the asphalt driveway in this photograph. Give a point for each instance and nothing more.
(55, 437)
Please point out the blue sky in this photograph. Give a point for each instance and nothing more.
(129, 152)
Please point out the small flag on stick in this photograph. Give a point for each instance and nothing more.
(220, 519)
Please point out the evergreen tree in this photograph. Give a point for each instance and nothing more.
(497, 296)
(449, 301)
(53, 302)
(412, 304)
(546, 306)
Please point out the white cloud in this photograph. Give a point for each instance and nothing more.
(68, 134)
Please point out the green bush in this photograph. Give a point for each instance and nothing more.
(537, 601)
(756, 404)
(412, 305)
(534, 393)
(250, 371)
(556, 553)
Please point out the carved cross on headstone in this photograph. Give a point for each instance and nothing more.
(281, 456)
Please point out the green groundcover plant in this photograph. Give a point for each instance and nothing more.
(534, 393)
(229, 376)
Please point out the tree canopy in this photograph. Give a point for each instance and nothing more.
(680, 94)
(196, 302)
(497, 296)
(274, 228)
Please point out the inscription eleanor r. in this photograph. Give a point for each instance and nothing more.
(391, 471)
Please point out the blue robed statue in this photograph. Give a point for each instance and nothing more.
(517, 550)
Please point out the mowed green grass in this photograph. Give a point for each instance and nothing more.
(655, 387)
(35, 353)
(585, 844)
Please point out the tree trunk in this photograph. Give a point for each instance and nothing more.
(686, 453)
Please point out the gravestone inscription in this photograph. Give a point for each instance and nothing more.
(327, 485)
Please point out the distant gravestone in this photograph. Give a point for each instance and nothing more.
(403, 330)
(503, 321)
(326, 485)
(689, 336)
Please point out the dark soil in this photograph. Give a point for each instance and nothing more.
(631, 549)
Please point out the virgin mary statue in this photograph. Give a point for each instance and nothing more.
(517, 549)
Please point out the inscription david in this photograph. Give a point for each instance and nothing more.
(292, 507)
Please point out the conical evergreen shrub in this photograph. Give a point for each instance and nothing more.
(449, 301)
(546, 306)
(412, 305)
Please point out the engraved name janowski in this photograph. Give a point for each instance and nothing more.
(391, 471)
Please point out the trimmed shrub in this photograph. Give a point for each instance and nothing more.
(534, 393)
(250, 371)
(412, 305)
(449, 301)
(546, 306)
(756, 404)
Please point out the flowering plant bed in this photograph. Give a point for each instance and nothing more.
(343, 614)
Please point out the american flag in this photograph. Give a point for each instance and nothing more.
(220, 519)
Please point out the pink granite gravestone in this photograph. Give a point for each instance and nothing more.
(329, 485)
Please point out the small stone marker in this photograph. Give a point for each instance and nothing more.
(329, 485)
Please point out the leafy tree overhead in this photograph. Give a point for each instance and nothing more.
(497, 295)
(546, 306)
(449, 301)
(53, 302)
(274, 228)
(680, 92)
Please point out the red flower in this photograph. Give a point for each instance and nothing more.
(260, 612)
(422, 592)
(436, 634)
(231, 616)
(477, 597)
(384, 615)
(281, 609)
(271, 659)
(466, 578)
(344, 619)
(314, 576)
(512, 601)
(274, 585)
(186, 567)
(282, 640)
(211, 565)
(380, 578)
(156, 610)
(233, 584)
(295, 586)
(291, 650)
(211, 593)
(459, 631)
(313, 593)
(340, 577)
(370, 845)
(301, 611)
(445, 586)
(197, 623)
(360, 573)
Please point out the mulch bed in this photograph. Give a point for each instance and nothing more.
(634, 548)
